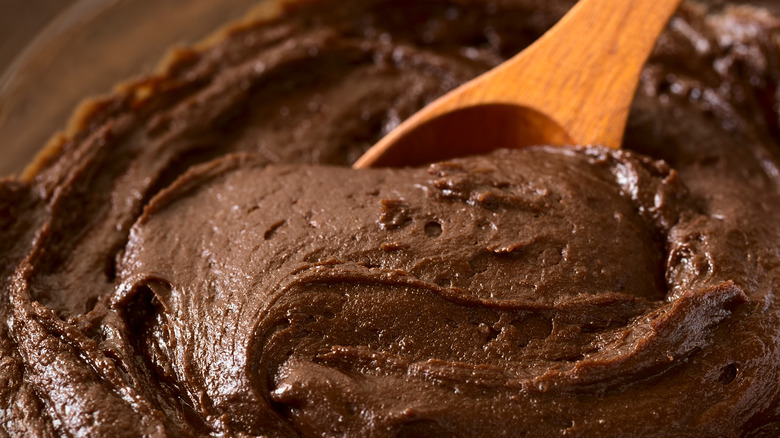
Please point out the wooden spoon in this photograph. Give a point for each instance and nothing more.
(572, 86)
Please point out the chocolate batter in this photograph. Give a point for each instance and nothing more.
(196, 258)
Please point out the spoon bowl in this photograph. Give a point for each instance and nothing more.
(468, 131)
(574, 85)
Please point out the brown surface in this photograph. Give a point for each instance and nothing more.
(20, 21)
(100, 44)
(82, 62)
(198, 259)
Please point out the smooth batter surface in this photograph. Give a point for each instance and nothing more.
(197, 258)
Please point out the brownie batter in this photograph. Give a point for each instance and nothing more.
(194, 257)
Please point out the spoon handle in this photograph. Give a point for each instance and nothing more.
(586, 88)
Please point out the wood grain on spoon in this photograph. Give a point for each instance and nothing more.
(572, 86)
